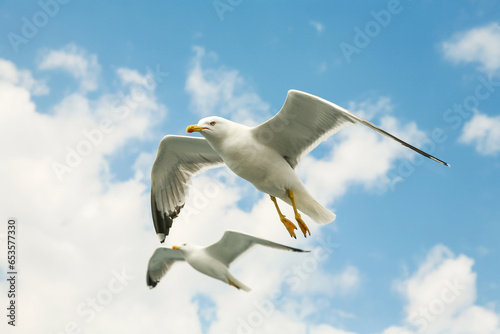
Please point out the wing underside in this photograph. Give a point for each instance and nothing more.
(179, 158)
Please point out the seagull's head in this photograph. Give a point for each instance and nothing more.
(212, 128)
(185, 247)
(179, 247)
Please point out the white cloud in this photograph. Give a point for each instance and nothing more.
(129, 76)
(75, 61)
(23, 78)
(76, 233)
(483, 132)
(318, 26)
(441, 298)
(397, 330)
(326, 329)
(333, 284)
(441, 276)
(221, 91)
(371, 107)
(478, 45)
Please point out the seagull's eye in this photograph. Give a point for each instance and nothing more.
(212, 123)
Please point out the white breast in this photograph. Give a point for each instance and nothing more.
(260, 165)
(207, 265)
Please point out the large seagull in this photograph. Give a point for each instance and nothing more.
(265, 155)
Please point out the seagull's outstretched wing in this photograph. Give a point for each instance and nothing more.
(233, 244)
(178, 159)
(159, 263)
(305, 120)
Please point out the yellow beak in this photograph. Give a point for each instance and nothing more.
(175, 247)
(194, 128)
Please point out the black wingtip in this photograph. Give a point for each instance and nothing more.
(444, 163)
(300, 250)
(436, 159)
(385, 133)
(151, 284)
(162, 221)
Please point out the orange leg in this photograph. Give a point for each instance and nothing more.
(233, 284)
(302, 225)
(290, 227)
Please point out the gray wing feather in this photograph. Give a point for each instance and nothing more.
(178, 159)
(305, 120)
(233, 244)
(159, 263)
(301, 124)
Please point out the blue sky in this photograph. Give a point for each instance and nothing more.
(414, 247)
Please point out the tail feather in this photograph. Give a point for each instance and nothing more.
(316, 211)
(231, 280)
(309, 206)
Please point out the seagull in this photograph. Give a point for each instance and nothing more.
(213, 261)
(265, 155)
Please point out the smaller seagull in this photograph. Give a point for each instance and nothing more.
(213, 260)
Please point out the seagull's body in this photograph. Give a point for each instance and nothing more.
(265, 155)
(263, 166)
(213, 261)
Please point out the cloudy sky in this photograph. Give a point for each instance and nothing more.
(88, 89)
